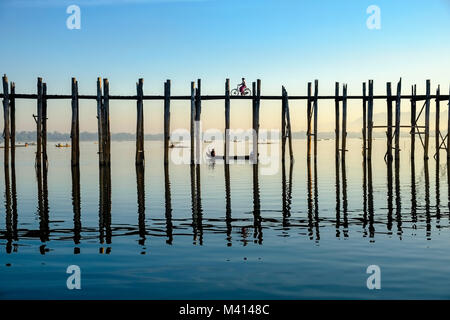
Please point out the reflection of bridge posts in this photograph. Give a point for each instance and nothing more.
(286, 189)
(105, 206)
(370, 198)
(11, 209)
(398, 200)
(140, 183)
(43, 210)
(344, 198)
(438, 196)
(197, 224)
(228, 218)
(413, 194)
(390, 187)
(256, 207)
(427, 200)
(168, 205)
(313, 202)
(76, 204)
(338, 197)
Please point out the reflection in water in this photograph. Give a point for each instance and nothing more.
(398, 200)
(390, 187)
(413, 196)
(257, 227)
(340, 215)
(168, 202)
(313, 203)
(197, 215)
(11, 210)
(43, 209)
(140, 183)
(76, 203)
(427, 200)
(228, 218)
(105, 233)
(286, 193)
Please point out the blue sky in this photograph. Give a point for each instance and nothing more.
(282, 42)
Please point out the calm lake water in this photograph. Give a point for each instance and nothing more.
(226, 233)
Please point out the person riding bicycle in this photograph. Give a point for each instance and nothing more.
(242, 87)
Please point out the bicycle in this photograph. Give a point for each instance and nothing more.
(237, 92)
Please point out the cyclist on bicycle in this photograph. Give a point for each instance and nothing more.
(242, 86)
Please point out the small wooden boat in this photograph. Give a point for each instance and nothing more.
(60, 145)
(221, 157)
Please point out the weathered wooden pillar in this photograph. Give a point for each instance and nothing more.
(288, 125)
(336, 120)
(308, 123)
(39, 124)
(6, 115)
(448, 133)
(437, 127)
(192, 125)
(316, 109)
(254, 141)
(166, 120)
(413, 120)
(283, 124)
(427, 120)
(344, 120)
(257, 104)
(140, 157)
(370, 120)
(106, 125)
(75, 130)
(389, 121)
(100, 122)
(364, 127)
(397, 119)
(12, 107)
(198, 111)
(227, 120)
(44, 125)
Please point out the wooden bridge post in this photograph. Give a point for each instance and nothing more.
(6, 115)
(12, 107)
(389, 121)
(397, 120)
(364, 127)
(316, 93)
(39, 124)
(336, 121)
(288, 125)
(413, 120)
(257, 108)
(106, 124)
(44, 125)
(75, 130)
(370, 121)
(427, 120)
(448, 132)
(140, 157)
(166, 120)
(227, 120)
(254, 137)
(283, 124)
(344, 120)
(192, 125)
(100, 122)
(198, 111)
(437, 129)
(308, 123)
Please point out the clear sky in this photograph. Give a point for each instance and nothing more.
(282, 42)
